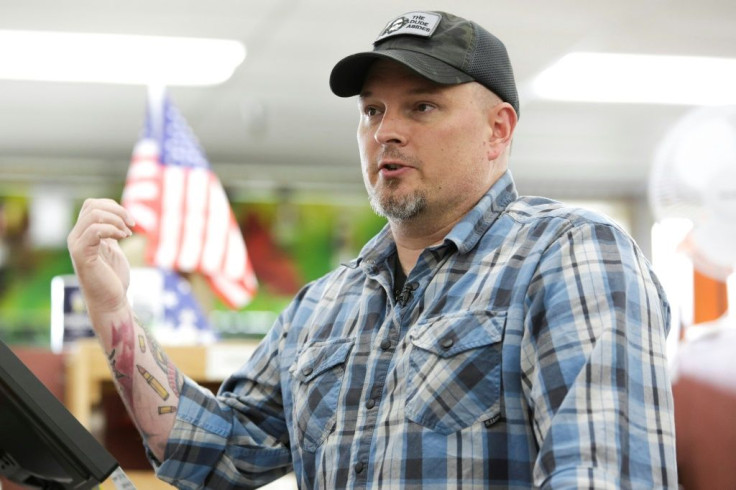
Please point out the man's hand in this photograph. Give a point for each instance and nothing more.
(104, 275)
(101, 266)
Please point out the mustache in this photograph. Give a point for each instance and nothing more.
(393, 153)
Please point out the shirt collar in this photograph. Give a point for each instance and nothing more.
(464, 235)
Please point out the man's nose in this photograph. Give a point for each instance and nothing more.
(392, 129)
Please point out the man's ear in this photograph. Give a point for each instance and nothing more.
(501, 122)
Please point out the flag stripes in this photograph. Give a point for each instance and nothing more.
(180, 205)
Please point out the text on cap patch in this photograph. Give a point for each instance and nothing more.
(414, 23)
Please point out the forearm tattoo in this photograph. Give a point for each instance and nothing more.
(122, 361)
(170, 371)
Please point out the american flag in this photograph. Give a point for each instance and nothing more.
(179, 203)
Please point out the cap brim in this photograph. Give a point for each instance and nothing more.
(348, 75)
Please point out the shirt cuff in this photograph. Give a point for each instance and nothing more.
(197, 440)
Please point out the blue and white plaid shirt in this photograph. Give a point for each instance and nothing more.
(528, 351)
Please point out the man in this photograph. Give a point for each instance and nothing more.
(479, 340)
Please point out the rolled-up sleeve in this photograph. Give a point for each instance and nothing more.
(237, 439)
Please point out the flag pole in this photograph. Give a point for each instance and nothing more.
(156, 98)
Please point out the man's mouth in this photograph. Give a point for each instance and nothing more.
(394, 164)
(392, 170)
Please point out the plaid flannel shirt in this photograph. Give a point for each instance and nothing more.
(528, 350)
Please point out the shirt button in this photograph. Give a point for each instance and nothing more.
(370, 404)
(359, 467)
(307, 371)
(385, 344)
(447, 343)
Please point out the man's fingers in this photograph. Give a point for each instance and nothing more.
(101, 216)
(93, 235)
(107, 205)
(99, 212)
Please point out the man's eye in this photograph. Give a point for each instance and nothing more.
(370, 111)
(424, 107)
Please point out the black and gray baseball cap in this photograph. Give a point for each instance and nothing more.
(439, 46)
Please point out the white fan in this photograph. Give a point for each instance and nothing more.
(694, 177)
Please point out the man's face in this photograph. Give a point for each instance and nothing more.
(423, 146)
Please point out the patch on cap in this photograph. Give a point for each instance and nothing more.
(413, 23)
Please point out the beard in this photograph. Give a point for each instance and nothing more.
(397, 207)
(387, 202)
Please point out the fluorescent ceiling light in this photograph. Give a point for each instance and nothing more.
(113, 58)
(636, 78)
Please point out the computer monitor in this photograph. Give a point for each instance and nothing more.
(42, 445)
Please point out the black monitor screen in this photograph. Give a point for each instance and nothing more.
(42, 445)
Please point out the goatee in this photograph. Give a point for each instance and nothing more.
(397, 208)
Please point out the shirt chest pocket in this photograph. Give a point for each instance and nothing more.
(455, 371)
(317, 376)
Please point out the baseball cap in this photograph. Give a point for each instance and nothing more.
(442, 47)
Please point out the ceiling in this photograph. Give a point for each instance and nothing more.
(276, 124)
